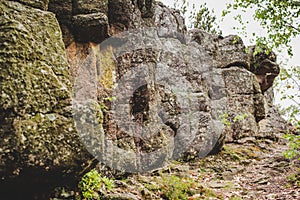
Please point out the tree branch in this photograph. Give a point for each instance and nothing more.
(287, 24)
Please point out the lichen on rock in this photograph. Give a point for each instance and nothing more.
(37, 128)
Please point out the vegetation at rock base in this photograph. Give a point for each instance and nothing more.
(238, 172)
(175, 187)
(92, 184)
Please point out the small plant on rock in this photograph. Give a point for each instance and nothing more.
(225, 118)
(93, 184)
(294, 146)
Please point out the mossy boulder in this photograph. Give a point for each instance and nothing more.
(36, 124)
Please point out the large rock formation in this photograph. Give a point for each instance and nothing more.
(221, 81)
(38, 138)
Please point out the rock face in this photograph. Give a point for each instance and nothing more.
(37, 129)
(40, 4)
(199, 89)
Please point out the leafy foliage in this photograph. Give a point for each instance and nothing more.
(280, 18)
(92, 184)
(227, 120)
(294, 178)
(206, 20)
(289, 88)
(104, 101)
(294, 146)
(202, 17)
(240, 117)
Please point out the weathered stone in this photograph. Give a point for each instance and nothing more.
(123, 15)
(273, 125)
(40, 4)
(169, 22)
(89, 6)
(81, 21)
(146, 7)
(260, 107)
(37, 131)
(217, 69)
(226, 51)
(265, 73)
(76, 54)
(206, 40)
(235, 76)
(90, 27)
(62, 10)
(68, 37)
(232, 52)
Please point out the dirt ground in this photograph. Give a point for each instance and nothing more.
(253, 170)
